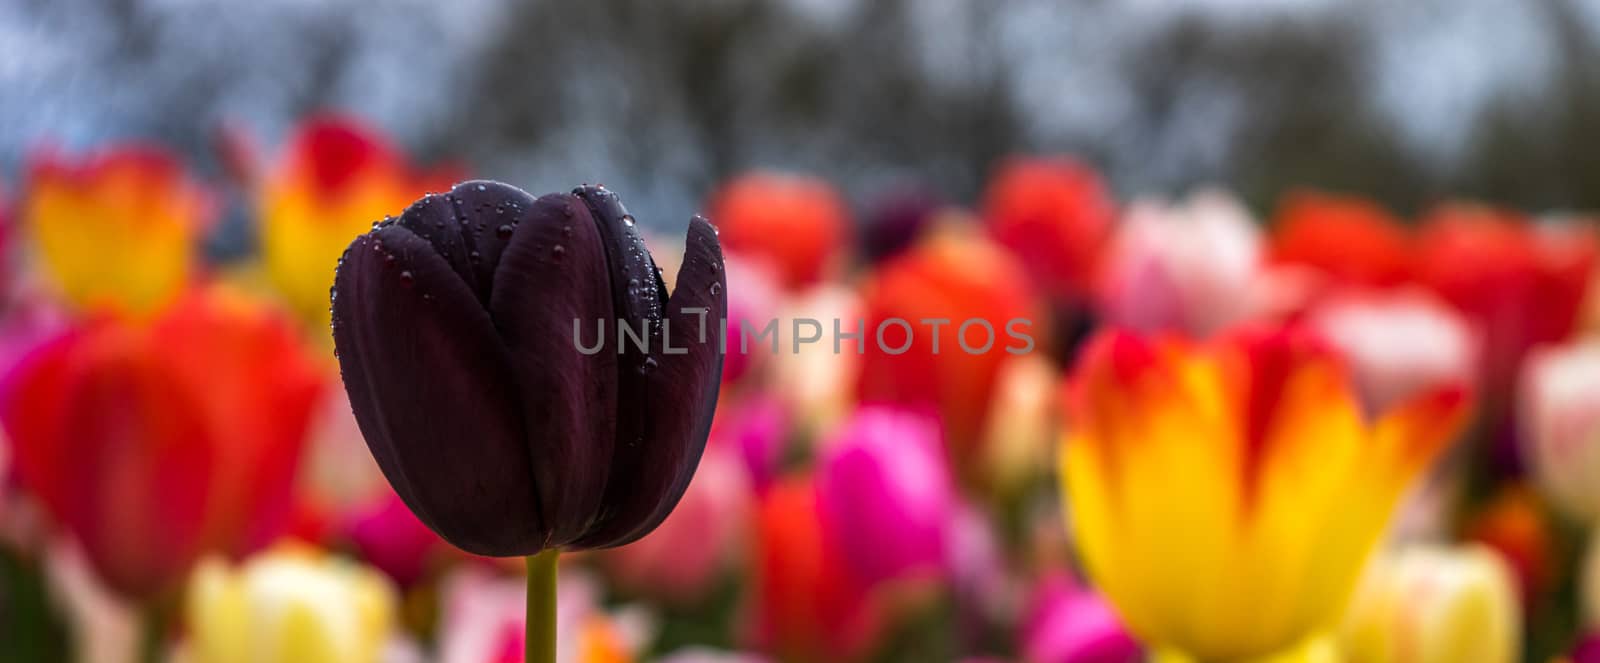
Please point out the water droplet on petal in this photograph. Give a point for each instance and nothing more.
(627, 220)
(406, 279)
(482, 188)
(557, 251)
(716, 287)
(648, 366)
(504, 231)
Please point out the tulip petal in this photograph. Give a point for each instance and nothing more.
(680, 396)
(553, 276)
(409, 331)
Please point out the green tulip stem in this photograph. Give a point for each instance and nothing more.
(155, 620)
(541, 618)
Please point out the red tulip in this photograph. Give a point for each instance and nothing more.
(956, 277)
(794, 223)
(1343, 239)
(1521, 284)
(153, 442)
(809, 607)
(1056, 215)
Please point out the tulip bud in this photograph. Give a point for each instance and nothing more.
(289, 605)
(475, 336)
(1426, 605)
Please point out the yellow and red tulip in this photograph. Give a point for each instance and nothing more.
(156, 441)
(117, 228)
(336, 178)
(1225, 496)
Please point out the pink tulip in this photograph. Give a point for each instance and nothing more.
(751, 303)
(389, 536)
(885, 494)
(757, 431)
(1068, 624)
(1561, 418)
(1398, 342)
(1191, 267)
(1587, 650)
(680, 561)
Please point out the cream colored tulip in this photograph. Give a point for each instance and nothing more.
(289, 605)
(1430, 604)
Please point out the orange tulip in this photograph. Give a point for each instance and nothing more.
(1056, 215)
(1344, 239)
(117, 228)
(1225, 496)
(795, 224)
(955, 276)
(337, 177)
(156, 441)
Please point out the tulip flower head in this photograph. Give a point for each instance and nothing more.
(1561, 419)
(1435, 605)
(1224, 496)
(795, 224)
(336, 177)
(455, 328)
(289, 605)
(116, 229)
(885, 493)
(1344, 240)
(810, 606)
(1521, 284)
(156, 441)
(1068, 624)
(1398, 342)
(1056, 214)
(1188, 268)
(962, 279)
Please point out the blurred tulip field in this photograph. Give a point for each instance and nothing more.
(1205, 331)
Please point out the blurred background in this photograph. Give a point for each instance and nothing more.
(1405, 102)
(1401, 189)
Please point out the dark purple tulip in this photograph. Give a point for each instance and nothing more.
(454, 328)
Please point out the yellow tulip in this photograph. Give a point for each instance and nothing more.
(1225, 496)
(1317, 649)
(1435, 605)
(289, 605)
(336, 178)
(117, 229)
